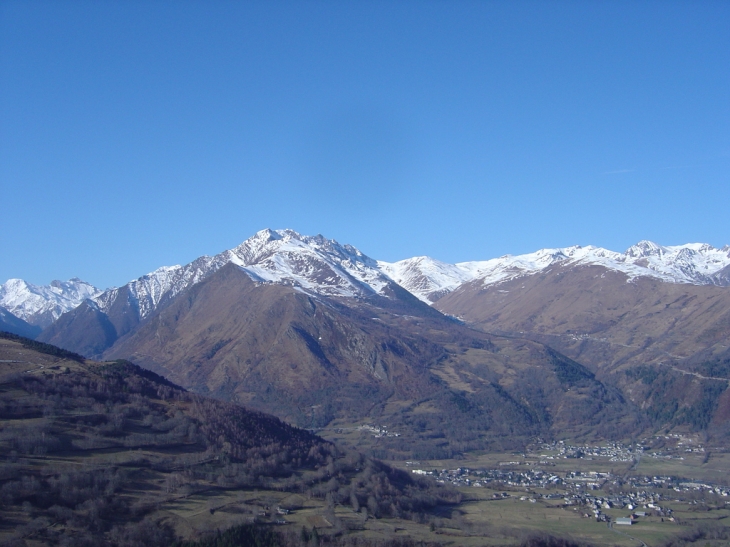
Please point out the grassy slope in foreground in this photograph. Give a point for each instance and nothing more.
(107, 453)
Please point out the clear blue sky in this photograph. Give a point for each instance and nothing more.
(140, 134)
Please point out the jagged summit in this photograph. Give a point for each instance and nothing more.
(645, 248)
(312, 264)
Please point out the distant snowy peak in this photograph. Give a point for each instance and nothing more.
(429, 279)
(644, 249)
(42, 304)
(697, 263)
(314, 264)
(425, 277)
(694, 263)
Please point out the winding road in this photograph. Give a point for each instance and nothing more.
(697, 374)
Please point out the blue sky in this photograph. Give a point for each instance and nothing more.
(140, 134)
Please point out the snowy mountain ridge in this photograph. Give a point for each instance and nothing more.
(426, 277)
(693, 263)
(314, 263)
(311, 263)
(321, 266)
(42, 304)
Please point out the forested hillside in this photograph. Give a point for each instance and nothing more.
(96, 453)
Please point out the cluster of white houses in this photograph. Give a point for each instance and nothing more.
(642, 497)
(614, 452)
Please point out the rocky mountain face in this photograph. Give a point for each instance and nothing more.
(605, 317)
(318, 333)
(314, 265)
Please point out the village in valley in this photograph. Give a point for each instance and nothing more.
(602, 482)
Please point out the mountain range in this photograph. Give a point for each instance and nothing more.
(325, 267)
(573, 341)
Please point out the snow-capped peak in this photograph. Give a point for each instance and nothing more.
(312, 263)
(42, 304)
(425, 277)
(644, 249)
(694, 263)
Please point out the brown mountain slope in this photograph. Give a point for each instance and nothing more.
(312, 360)
(89, 331)
(597, 317)
(237, 339)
